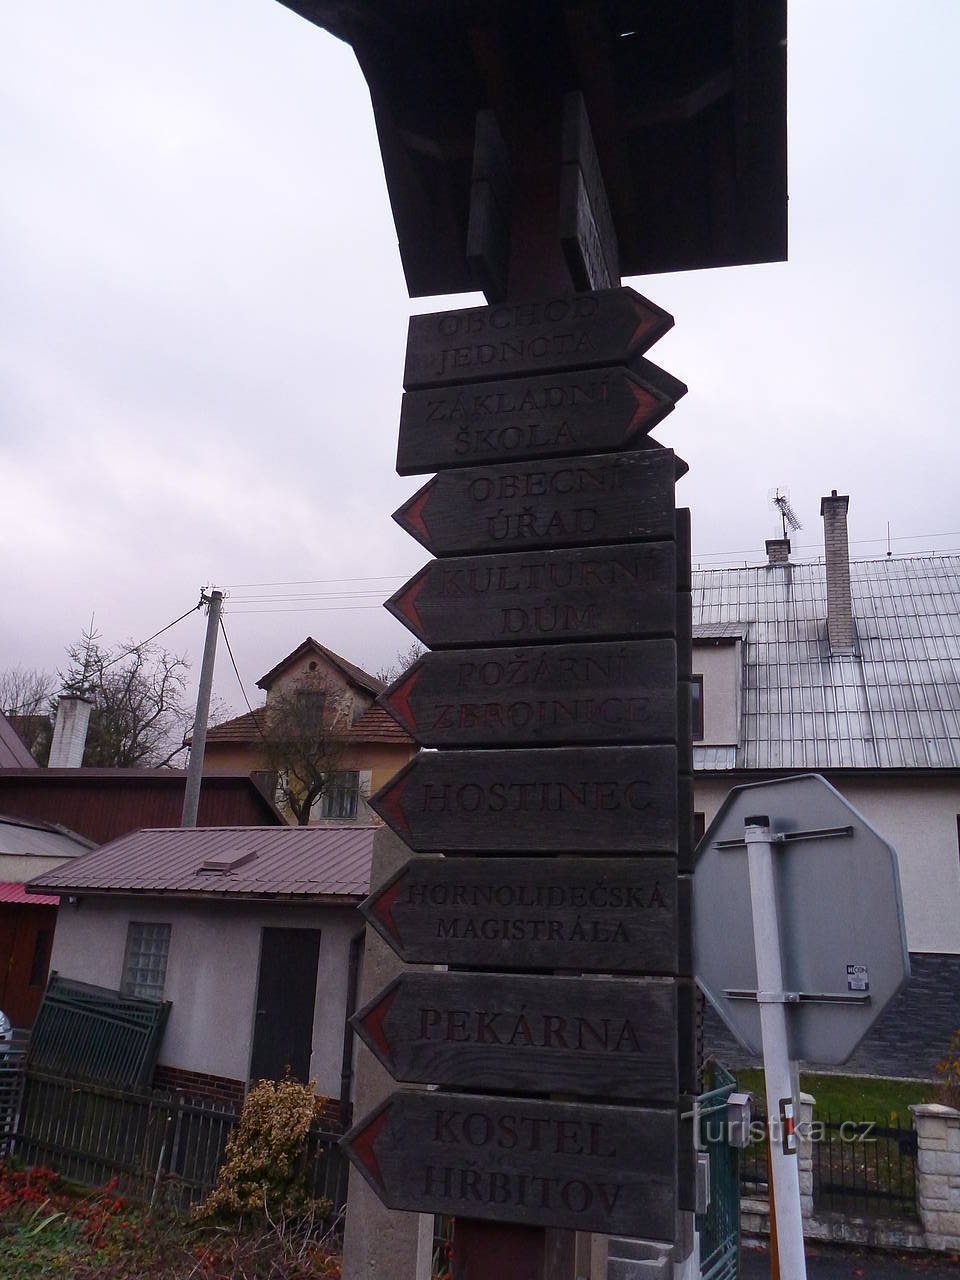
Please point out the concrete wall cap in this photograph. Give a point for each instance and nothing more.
(934, 1109)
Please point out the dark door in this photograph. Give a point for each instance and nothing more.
(286, 993)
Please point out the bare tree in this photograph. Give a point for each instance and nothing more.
(404, 659)
(26, 691)
(303, 729)
(139, 692)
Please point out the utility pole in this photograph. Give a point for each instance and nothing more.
(191, 795)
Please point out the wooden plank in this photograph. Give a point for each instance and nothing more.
(587, 233)
(601, 593)
(550, 800)
(488, 227)
(684, 572)
(603, 914)
(589, 1037)
(685, 838)
(684, 889)
(684, 726)
(588, 411)
(684, 634)
(579, 331)
(561, 695)
(578, 1166)
(571, 502)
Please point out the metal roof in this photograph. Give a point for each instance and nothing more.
(14, 895)
(40, 839)
(893, 703)
(301, 862)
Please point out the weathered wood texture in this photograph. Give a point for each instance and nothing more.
(558, 695)
(579, 331)
(590, 1037)
(603, 914)
(687, 1060)
(684, 726)
(573, 502)
(568, 413)
(550, 800)
(583, 1167)
(684, 634)
(684, 571)
(488, 228)
(686, 842)
(587, 232)
(619, 592)
(684, 890)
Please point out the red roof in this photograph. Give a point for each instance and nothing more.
(248, 862)
(15, 893)
(374, 725)
(356, 675)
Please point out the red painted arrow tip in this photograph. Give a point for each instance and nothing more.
(374, 1020)
(398, 698)
(387, 803)
(405, 602)
(383, 909)
(646, 403)
(652, 323)
(362, 1146)
(411, 515)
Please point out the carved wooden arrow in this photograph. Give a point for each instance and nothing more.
(508, 421)
(582, 331)
(557, 695)
(558, 800)
(570, 502)
(577, 1166)
(590, 1037)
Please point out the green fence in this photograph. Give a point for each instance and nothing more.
(719, 1227)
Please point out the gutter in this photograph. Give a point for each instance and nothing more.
(346, 1066)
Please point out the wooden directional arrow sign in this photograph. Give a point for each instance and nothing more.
(590, 1037)
(623, 591)
(582, 412)
(583, 1167)
(513, 506)
(558, 800)
(581, 331)
(560, 694)
(603, 914)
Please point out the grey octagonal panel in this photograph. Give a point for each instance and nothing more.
(841, 917)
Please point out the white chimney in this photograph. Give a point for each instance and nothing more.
(70, 731)
(778, 550)
(837, 555)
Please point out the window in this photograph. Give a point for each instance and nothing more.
(696, 709)
(339, 799)
(145, 964)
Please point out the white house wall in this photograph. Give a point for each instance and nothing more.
(212, 973)
(919, 818)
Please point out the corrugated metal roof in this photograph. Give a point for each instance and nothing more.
(15, 894)
(287, 862)
(40, 839)
(894, 703)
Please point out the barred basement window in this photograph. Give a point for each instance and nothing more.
(145, 964)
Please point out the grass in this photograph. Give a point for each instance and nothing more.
(852, 1097)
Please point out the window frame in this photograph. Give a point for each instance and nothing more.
(134, 948)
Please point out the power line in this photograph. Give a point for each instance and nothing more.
(236, 671)
(310, 582)
(149, 640)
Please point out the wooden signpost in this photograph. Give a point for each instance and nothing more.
(572, 502)
(587, 1037)
(608, 915)
(594, 593)
(568, 413)
(587, 1168)
(567, 799)
(540, 695)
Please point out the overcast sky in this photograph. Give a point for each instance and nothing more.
(203, 320)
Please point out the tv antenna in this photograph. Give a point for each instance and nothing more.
(788, 516)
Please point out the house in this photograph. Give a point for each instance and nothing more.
(851, 669)
(251, 934)
(27, 923)
(14, 753)
(372, 747)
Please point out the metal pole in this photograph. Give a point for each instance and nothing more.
(778, 1072)
(191, 794)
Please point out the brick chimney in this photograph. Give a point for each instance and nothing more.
(778, 550)
(837, 554)
(70, 732)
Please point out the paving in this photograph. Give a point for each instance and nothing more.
(825, 1262)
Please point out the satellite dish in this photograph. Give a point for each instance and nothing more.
(788, 516)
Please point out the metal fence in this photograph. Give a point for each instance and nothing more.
(151, 1143)
(861, 1168)
(864, 1168)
